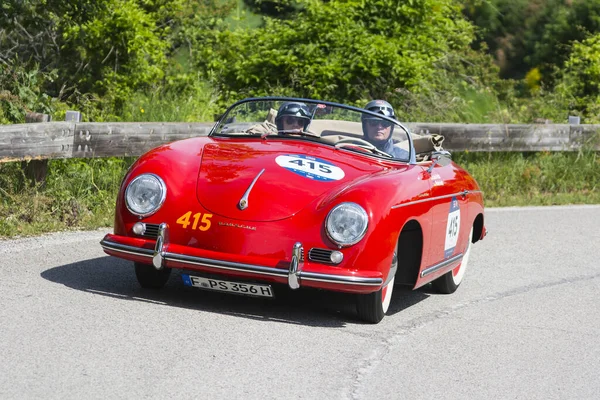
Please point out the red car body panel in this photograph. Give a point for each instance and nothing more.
(457, 184)
(208, 176)
(228, 169)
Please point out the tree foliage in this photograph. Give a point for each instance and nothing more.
(102, 49)
(113, 56)
(21, 91)
(341, 50)
(527, 34)
(281, 9)
(108, 47)
(580, 79)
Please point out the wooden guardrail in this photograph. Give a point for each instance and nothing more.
(94, 139)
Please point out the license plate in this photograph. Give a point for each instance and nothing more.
(227, 286)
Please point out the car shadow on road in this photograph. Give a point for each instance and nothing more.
(113, 277)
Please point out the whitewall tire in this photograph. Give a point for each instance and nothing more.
(450, 281)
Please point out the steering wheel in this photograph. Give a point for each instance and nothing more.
(363, 144)
(299, 133)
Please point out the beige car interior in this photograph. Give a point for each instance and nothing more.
(332, 131)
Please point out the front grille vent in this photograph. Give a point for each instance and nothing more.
(151, 231)
(320, 255)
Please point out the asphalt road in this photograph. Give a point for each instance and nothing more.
(74, 324)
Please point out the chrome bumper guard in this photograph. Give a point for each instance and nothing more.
(294, 274)
(295, 267)
(158, 259)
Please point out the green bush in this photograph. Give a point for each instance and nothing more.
(109, 48)
(580, 80)
(22, 91)
(525, 34)
(338, 50)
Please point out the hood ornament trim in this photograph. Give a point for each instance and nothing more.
(243, 204)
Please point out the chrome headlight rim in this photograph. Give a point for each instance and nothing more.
(360, 236)
(162, 198)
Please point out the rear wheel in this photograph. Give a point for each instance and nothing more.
(150, 277)
(450, 281)
(372, 307)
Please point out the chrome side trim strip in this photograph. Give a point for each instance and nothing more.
(464, 193)
(248, 268)
(445, 263)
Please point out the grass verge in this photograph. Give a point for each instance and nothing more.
(81, 193)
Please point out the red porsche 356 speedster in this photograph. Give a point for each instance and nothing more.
(304, 193)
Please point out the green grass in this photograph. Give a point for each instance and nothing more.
(81, 193)
(77, 194)
(199, 104)
(518, 179)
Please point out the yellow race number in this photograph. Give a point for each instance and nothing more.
(186, 219)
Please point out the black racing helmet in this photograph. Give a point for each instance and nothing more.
(293, 109)
(380, 107)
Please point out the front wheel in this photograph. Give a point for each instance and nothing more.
(150, 277)
(373, 306)
(450, 281)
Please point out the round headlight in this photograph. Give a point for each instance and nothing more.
(347, 223)
(145, 194)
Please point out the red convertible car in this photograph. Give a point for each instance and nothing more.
(289, 193)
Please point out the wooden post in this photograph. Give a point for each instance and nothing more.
(73, 116)
(35, 170)
(37, 117)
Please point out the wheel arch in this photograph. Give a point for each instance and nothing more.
(410, 253)
(477, 228)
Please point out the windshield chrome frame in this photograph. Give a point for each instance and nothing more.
(412, 155)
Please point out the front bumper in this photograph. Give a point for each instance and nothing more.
(295, 272)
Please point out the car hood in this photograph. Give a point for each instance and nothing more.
(272, 180)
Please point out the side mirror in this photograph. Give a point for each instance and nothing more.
(441, 157)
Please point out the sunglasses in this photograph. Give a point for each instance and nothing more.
(382, 123)
(292, 120)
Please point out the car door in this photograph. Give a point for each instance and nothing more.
(449, 230)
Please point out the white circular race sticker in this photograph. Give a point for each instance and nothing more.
(452, 228)
(310, 167)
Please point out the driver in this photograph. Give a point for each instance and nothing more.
(378, 131)
(292, 117)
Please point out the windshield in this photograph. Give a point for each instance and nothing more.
(332, 124)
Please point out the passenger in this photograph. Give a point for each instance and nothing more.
(293, 118)
(378, 131)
